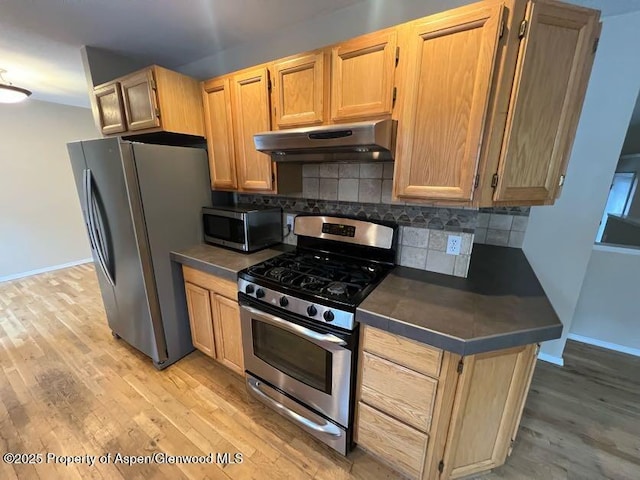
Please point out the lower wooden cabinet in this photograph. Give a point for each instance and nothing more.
(228, 338)
(214, 318)
(200, 318)
(458, 419)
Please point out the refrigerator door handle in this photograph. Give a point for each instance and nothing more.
(85, 212)
(91, 205)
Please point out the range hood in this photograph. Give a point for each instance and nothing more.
(372, 141)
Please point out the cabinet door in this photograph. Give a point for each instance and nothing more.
(219, 127)
(447, 81)
(109, 102)
(227, 333)
(362, 76)
(487, 407)
(251, 112)
(547, 96)
(140, 103)
(299, 91)
(200, 318)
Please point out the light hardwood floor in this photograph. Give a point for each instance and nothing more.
(67, 387)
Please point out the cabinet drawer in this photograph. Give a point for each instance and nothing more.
(398, 391)
(408, 353)
(218, 285)
(395, 443)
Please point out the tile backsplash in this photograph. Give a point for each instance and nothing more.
(363, 190)
(503, 226)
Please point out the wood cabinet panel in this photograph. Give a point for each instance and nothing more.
(446, 89)
(299, 88)
(224, 287)
(219, 125)
(140, 102)
(179, 102)
(547, 96)
(403, 351)
(228, 337)
(487, 406)
(251, 111)
(362, 76)
(396, 443)
(110, 108)
(200, 318)
(397, 391)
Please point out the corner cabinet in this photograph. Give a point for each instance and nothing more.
(214, 317)
(431, 414)
(150, 100)
(490, 100)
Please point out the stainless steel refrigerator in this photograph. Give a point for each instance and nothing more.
(139, 202)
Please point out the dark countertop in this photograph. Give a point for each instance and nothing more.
(223, 262)
(500, 304)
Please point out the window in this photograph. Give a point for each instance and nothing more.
(621, 192)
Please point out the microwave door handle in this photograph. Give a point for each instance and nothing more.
(92, 227)
(296, 329)
(328, 429)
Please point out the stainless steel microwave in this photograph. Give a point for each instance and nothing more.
(242, 228)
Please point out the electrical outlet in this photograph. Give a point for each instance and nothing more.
(290, 218)
(454, 242)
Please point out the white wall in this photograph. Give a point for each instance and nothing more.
(608, 309)
(349, 22)
(559, 239)
(40, 219)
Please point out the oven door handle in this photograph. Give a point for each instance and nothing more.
(295, 328)
(328, 428)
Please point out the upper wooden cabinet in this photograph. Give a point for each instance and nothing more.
(300, 90)
(450, 62)
(362, 76)
(219, 125)
(487, 98)
(153, 99)
(140, 102)
(252, 114)
(490, 100)
(110, 113)
(553, 67)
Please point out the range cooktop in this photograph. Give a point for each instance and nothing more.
(324, 276)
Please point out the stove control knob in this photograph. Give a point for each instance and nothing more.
(311, 311)
(329, 316)
(260, 293)
(284, 301)
(249, 289)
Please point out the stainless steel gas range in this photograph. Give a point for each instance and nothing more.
(299, 331)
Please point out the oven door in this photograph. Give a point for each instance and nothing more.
(312, 366)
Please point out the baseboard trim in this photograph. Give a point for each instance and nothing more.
(608, 345)
(545, 357)
(16, 276)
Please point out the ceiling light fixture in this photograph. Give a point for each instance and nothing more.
(9, 93)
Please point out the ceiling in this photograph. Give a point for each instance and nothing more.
(41, 39)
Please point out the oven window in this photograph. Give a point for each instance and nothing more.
(223, 228)
(294, 356)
